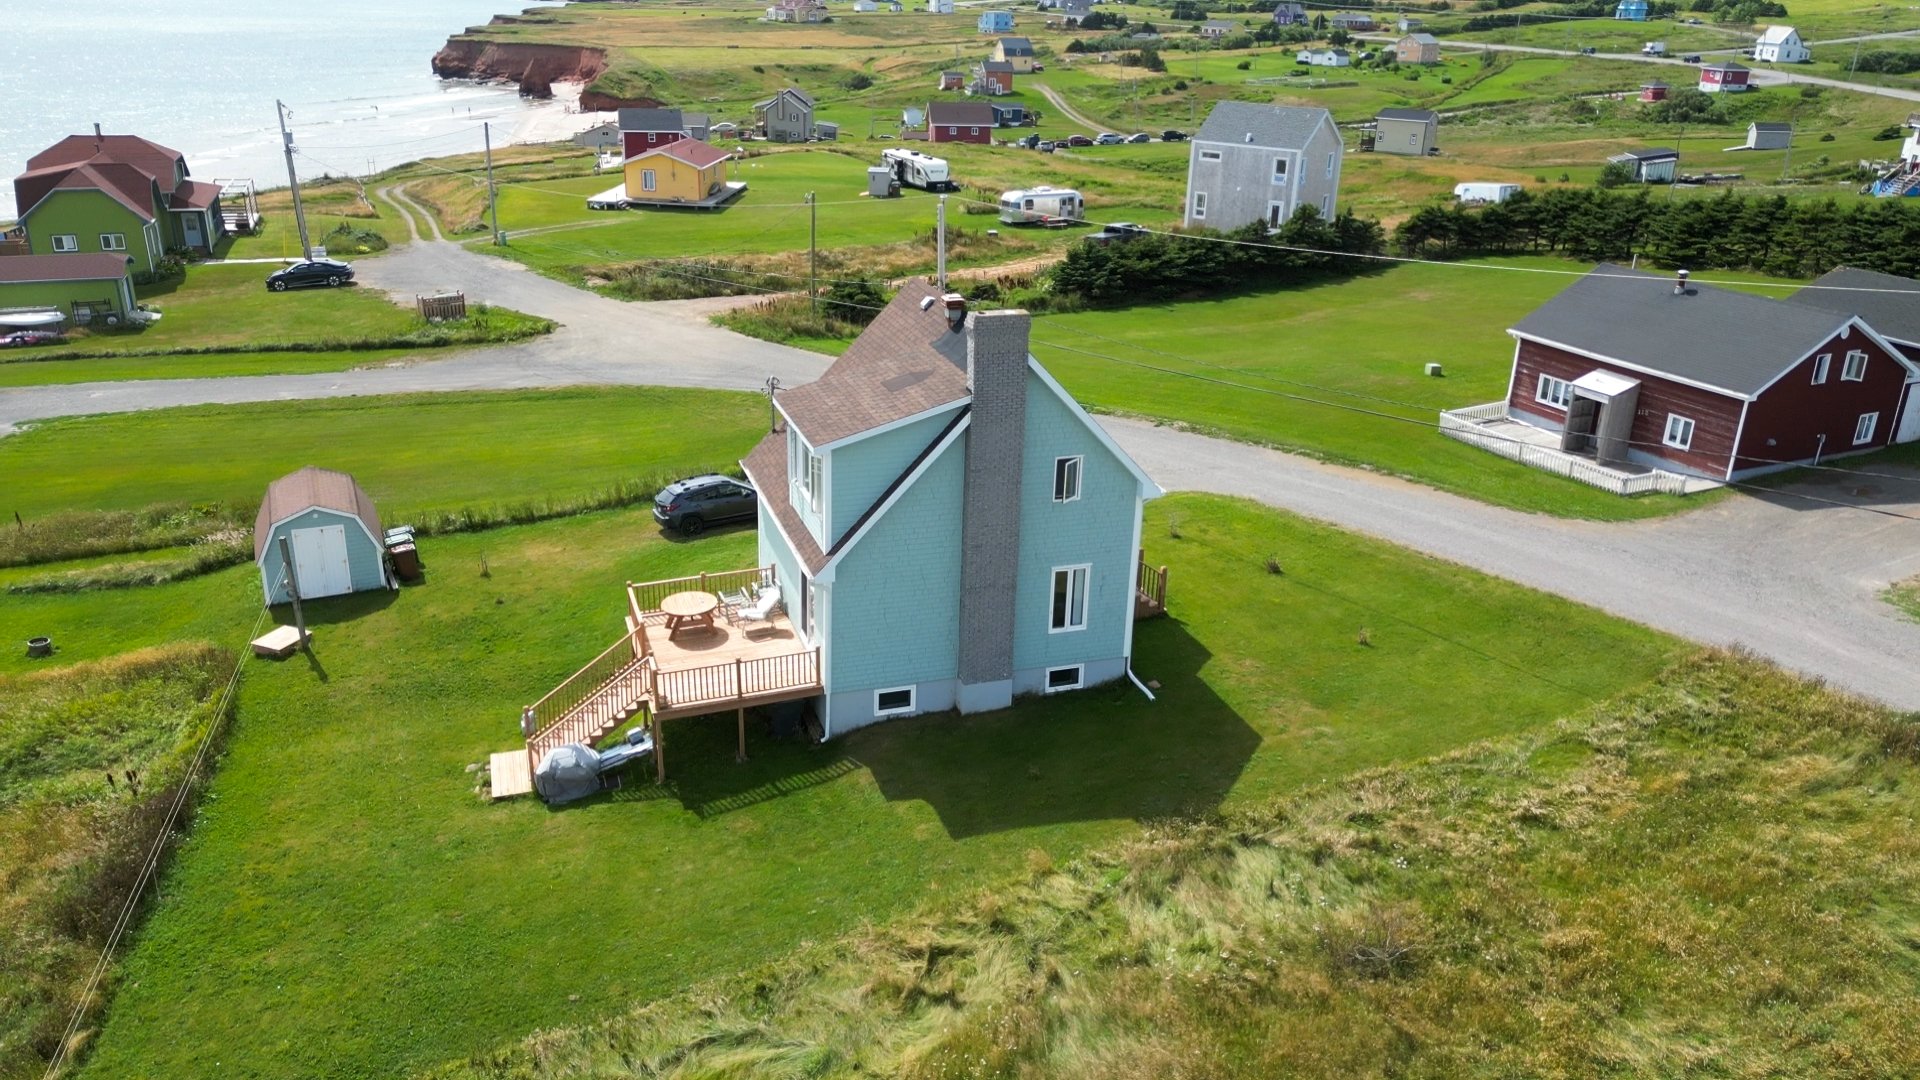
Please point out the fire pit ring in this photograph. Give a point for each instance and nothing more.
(38, 647)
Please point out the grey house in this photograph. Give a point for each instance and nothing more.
(1406, 131)
(785, 117)
(699, 125)
(1253, 163)
(600, 136)
(1651, 166)
(1762, 136)
(332, 530)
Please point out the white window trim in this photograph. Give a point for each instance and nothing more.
(1209, 155)
(1329, 164)
(1199, 205)
(1078, 464)
(1682, 443)
(72, 243)
(1086, 598)
(648, 182)
(1544, 395)
(913, 699)
(1821, 365)
(1079, 678)
(113, 241)
(1871, 422)
(1851, 373)
(1280, 170)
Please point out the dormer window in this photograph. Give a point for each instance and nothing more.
(804, 471)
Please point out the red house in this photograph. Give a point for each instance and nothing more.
(993, 78)
(1649, 369)
(960, 121)
(1725, 78)
(642, 130)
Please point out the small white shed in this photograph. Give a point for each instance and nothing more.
(334, 533)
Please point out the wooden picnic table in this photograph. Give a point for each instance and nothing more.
(685, 609)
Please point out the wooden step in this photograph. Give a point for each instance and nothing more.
(509, 774)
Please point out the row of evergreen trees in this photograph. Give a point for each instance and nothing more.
(1767, 233)
(1155, 266)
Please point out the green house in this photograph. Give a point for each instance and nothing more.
(116, 193)
(84, 288)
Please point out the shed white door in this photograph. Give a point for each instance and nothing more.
(320, 561)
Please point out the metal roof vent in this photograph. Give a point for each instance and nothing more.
(1679, 282)
(1249, 138)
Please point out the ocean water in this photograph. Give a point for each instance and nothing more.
(201, 76)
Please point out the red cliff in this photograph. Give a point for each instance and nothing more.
(534, 67)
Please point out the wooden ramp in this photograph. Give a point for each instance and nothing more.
(509, 774)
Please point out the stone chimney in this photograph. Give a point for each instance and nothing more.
(990, 528)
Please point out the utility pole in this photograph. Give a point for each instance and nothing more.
(940, 237)
(293, 181)
(493, 196)
(813, 253)
(293, 588)
(1855, 66)
(773, 411)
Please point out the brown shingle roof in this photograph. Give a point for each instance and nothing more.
(308, 488)
(193, 195)
(92, 266)
(144, 154)
(960, 113)
(906, 362)
(123, 183)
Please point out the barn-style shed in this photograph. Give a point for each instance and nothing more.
(334, 532)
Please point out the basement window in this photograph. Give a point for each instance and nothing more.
(1066, 678)
(1679, 432)
(1855, 369)
(893, 702)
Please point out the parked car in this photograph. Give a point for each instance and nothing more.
(1173, 135)
(689, 506)
(1588, 50)
(331, 272)
(1690, 58)
(1028, 142)
(1139, 137)
(23, 338)
(1046, 146)
(1108, 138)
(1078, 140)
(1116, 232)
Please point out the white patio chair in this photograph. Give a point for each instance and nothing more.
(766, 604)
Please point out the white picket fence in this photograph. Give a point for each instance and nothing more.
(1468, 426)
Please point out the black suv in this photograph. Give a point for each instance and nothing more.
(1115, 233)
(689, 506)
(314, 272)
(1173, 135)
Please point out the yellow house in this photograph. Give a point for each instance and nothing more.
(683, 172)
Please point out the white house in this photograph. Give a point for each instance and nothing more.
(940, 7)
(1324, 58)
(1781, 45)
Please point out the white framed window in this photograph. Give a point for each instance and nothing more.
(815, 479)
(1072, 677)
(1066, 478)
(1329, 165)
(1068, 602)
(1279, 170)
(113, 241)
(1326, 205)
(1199, 204)
(894, 701)
(810, 618)
(647, 181)
(1820, 365)
(1864, 427)
(1855, 369)
(803, 469)
(1679, 433)
(65, 242)
(1209, 155)
(1555, 392)
(1276, 214)
(973, 131)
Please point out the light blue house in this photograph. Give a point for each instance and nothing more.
(948, 526)
(1633, 10)
(996, 22)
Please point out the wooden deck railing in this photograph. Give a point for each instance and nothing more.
(720, 684)
(609, 681)
(643, 597)
(1150, 587)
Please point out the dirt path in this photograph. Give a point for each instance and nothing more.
(1053, 98)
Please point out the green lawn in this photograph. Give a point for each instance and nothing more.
(413, 454)
(228, 307)
(345, 884)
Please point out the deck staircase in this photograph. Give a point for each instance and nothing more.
(598, 698)
(1904, 180)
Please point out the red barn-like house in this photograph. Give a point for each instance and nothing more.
(960, 121)
(1725, 78)
(642, 130)
(1649, 369)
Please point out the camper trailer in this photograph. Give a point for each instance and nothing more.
(1041, 206)
(915, 169)
(1484, 192)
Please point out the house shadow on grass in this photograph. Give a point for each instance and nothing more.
(1094, 755)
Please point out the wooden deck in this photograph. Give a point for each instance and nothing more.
(705, 669)
(509, 773)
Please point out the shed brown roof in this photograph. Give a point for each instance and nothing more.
(306, 489)
(905, 362)
(90, 266)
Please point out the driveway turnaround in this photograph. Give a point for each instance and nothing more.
(1793, 580)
